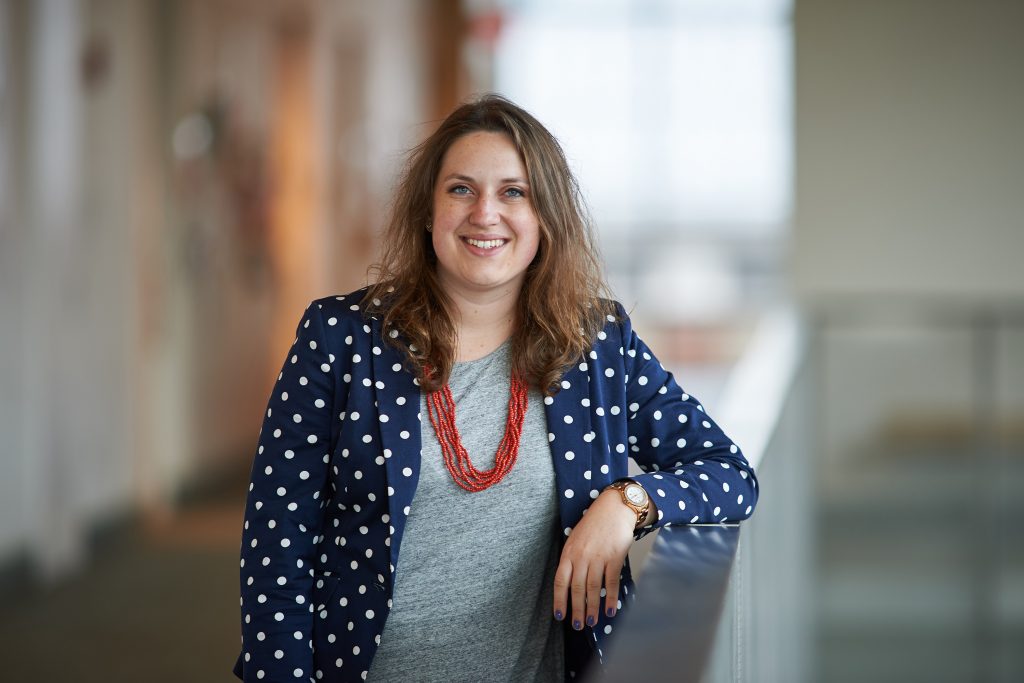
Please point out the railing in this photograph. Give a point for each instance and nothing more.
(717, 603)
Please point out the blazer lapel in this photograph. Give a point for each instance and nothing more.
(398, 398)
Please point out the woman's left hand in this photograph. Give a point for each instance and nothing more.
(594, 552)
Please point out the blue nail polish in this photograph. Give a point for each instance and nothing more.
(558, 615)
(591, 621)
(576, 624)
(610, 612)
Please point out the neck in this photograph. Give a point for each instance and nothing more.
(484, 320)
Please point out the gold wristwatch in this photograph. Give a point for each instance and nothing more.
(633, 496)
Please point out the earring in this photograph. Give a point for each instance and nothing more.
(430, 226)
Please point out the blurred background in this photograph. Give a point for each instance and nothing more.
(814, 209)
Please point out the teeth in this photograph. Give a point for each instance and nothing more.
(485, 244)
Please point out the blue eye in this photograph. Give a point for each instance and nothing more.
(459, 189)
(515, 192)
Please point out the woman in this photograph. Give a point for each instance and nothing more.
(432, 443)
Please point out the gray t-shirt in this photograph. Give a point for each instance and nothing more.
(473, 591)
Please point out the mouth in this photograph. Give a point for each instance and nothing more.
(486, 245)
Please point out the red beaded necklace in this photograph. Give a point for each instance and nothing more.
(441, 408)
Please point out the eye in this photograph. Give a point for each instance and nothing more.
(515, 192)
(459, 189)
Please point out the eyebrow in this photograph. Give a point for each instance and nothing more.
(459, 176)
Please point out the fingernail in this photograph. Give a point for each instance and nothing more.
(576, 624)
(558, 615)
(591, 621)
(610, 612)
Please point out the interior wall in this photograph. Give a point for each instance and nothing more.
(909, 149)
(909, 196)
(14, 239)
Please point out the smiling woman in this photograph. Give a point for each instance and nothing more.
(489, 316)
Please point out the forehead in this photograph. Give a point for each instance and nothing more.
(483, 150)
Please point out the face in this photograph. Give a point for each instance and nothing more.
(486, 232)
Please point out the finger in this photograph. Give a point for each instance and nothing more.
(611, 585)
(593, 595)
(579, 595)
(562, 577)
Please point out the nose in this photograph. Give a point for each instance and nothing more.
(485, 212)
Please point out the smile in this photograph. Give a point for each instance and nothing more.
(485, 244)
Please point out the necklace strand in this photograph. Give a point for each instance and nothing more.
(441, 409)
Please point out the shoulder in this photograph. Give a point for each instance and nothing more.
(348, 305)
(340, 316)
(616, 320)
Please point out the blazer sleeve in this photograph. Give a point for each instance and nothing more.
(284, 509)
(694, 473)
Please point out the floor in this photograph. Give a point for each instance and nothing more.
(156, 604)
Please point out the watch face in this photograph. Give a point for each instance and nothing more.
(636, 495)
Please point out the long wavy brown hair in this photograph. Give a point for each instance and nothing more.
(563, 303)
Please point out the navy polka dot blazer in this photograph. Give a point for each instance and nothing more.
(338, 461)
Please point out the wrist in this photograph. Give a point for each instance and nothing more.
(634, 498)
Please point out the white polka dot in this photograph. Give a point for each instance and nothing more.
(407, 471)
(568, 493)
(609, 372)
(311, 438)
(569, 455)
(568, 419)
